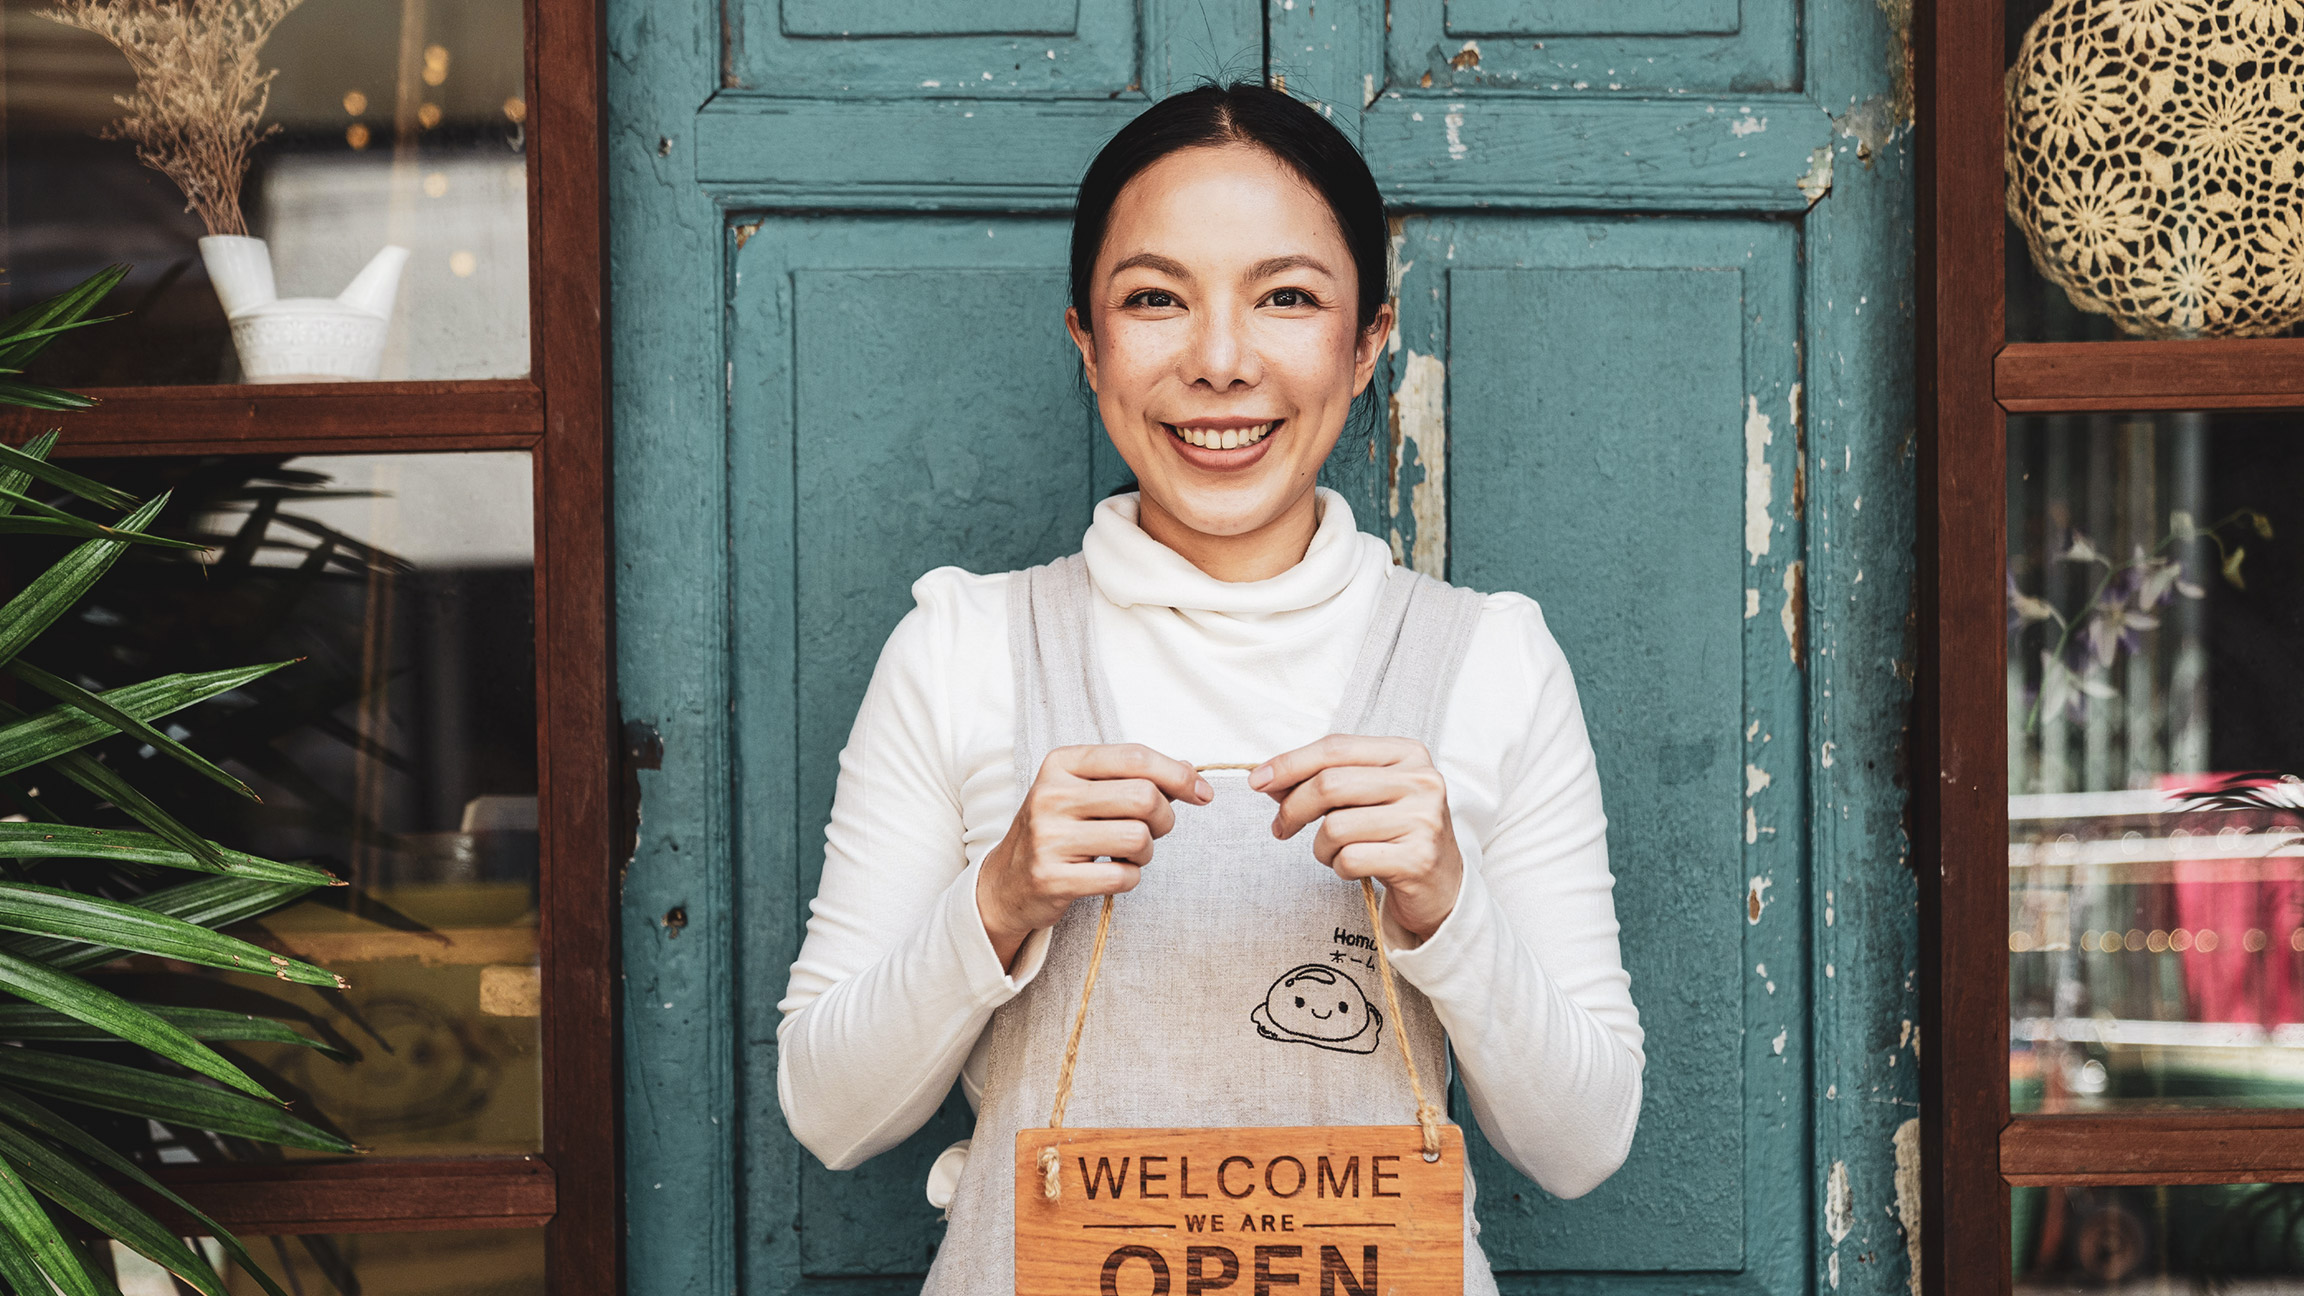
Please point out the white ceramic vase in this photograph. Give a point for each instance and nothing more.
(301, 339)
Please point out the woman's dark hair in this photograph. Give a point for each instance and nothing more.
(1241, 113)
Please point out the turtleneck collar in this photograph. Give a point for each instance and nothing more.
(1130, 568)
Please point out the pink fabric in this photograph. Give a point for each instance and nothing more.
(2232, 897)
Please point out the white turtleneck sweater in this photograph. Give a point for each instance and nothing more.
(897, 979)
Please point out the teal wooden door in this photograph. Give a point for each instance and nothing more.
(1649, 371)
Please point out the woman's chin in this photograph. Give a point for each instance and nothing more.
(1243, 509)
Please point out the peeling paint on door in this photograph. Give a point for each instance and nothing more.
(1907, 1143)
(1816, 181)
(1794, 614)
(1839, 1203)
(1420, 462)
(1759, 480)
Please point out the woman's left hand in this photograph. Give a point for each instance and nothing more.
(1384, 813)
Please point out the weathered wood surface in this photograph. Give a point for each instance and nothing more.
(1345, 1210)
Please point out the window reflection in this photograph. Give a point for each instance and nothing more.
(401, 123)
(398, 752)
(2159, 1239)
(2156, 854)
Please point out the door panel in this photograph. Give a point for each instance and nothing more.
(906, 384)
(990, 49)
(1595, 46)
(1598, 380)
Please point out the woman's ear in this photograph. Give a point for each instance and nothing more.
(1084, 340)
(1368, 346)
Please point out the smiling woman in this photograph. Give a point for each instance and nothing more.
(1228, 269)
(1226, 663)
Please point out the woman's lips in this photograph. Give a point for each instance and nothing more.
(1204, 445)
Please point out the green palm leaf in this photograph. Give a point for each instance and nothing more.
(64, 690)
(35, 396)
(106, 783)
(73, 915)
(110, 1086)
(38, 604)
(16, 479)
(20, 468)
(115, 1016)
(20, 1270)
(28, 1113)
(73, 524)
(25, 333)
(23, 1218)
(13, 524)
(70, 841)
(63, 728)
(61, 1181)
(33, 1022)
(209, 902)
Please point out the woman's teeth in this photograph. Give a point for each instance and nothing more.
(1224, 438)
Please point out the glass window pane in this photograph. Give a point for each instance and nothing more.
(2152, 165)
(397, 124)
(2156, 859)
(399, 751)
(2241, 1239)
(500, 1262)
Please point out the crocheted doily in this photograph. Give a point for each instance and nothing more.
(2154, 163)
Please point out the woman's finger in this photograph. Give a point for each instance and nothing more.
(1284, 771)
(1086, 839)
(1139, 799)
(1095, 878)
(1173, 777)
(1383, 861)
(1334, 788)
(1354, 824)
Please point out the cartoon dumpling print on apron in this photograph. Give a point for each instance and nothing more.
(1319, 1006)
(1197, 1021)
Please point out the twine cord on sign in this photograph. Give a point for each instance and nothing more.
(1427, 1116)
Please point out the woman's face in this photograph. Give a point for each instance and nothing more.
(1223, 342)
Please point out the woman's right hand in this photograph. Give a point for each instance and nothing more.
(1085, 828)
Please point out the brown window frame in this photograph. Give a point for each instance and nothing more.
(558, 414)
(1968, 380)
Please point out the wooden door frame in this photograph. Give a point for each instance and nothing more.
(1970, 380)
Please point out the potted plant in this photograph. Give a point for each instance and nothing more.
(196, 115)
(63, 910)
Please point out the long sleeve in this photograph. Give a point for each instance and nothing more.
(1525, 973)
(896, 978)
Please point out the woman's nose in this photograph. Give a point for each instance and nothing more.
(1223, 355)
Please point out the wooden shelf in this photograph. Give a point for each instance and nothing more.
(2157, 1147)
(368, 1196)
(2214, 374)
(506, 413)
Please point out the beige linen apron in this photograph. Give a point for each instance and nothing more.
(1239, 986)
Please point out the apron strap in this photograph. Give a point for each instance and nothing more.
(1408, 661)
(1060, 688)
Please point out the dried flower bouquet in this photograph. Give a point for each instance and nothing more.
(200, 93)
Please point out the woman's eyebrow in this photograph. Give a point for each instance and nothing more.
(1154, 261)
(1297, 261)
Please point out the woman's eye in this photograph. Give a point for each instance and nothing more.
(1291, 298)
(1151, 297)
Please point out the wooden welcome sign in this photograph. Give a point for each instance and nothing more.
(1328, 1210)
